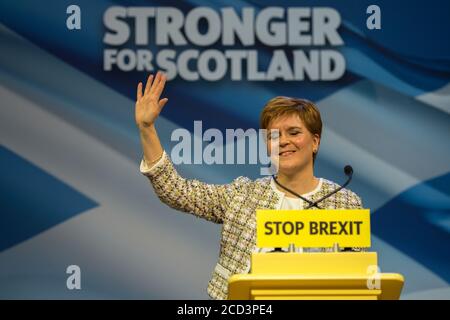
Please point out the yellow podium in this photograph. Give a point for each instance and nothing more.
(291, 275)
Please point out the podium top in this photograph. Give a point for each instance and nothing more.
(340, 275)
(342, 263)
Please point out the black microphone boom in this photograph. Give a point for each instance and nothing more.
(348, 170)
(311, 204)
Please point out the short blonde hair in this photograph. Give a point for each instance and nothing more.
(306, 110)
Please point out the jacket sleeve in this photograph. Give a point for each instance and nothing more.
(208, 201)
(353, 200)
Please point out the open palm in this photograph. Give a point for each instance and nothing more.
(148, 104)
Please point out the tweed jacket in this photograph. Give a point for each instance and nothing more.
(234, 206)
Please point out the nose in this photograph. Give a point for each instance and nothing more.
(283, 141)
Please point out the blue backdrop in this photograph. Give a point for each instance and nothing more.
(71, 191)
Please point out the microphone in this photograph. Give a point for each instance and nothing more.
(294, 193)
(348, 170)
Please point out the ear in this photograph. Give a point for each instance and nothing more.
(316, 142)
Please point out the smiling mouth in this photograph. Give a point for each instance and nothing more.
(286, 153)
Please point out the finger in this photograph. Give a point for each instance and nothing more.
(162, 103)
(155, 82)
(161, 85)
(139, 91)
(149, 84)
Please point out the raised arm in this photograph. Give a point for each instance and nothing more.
(148, 108)
(208, 201)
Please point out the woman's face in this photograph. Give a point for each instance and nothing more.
(295, 144)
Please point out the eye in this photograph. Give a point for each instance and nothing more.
(273, 135)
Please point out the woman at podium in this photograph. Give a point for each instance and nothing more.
(234, 204)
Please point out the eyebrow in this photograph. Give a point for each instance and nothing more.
(269, 132)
